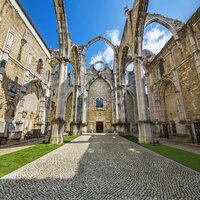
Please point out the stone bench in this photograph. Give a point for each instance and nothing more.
(35, 133)
(14, 135)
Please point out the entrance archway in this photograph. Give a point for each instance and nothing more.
(99, 127)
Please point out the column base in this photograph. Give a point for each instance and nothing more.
(57, 131)
(83, 128)
(75, 129)
(122, 128)
(145, 132)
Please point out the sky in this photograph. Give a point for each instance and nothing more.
(90, 18)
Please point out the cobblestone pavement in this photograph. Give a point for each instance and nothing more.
(101, 167)
(193, 148)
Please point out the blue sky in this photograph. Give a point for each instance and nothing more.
(90, 18)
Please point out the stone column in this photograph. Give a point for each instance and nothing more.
(84, 111)
(195, 49)
(178, 88)
(116, 81)
(83, 89)
(144, 127)
(75, 106)
(196, 54)
(41, 122)
(122, 111)
(18, 119)
(59, 121)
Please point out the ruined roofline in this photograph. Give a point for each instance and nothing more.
(184, 26)
(165, 21)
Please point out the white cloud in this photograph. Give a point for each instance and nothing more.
(130, 67)
(114, 36)
(107, 55)
(155, 39)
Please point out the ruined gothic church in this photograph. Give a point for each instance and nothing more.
(160, 97)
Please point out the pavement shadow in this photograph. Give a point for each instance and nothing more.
(110, 169)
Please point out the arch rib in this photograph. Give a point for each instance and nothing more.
(96, 39)
(171, 24)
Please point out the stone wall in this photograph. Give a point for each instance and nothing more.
(100, 89)
(181, 62)
(25, 62)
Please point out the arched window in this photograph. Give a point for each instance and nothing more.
(40, 66)
(161, 67)
(99, 103)
(48, 74)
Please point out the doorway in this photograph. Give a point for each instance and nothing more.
(99, 127)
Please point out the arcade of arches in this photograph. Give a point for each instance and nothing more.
(159, 97)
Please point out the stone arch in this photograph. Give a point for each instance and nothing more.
(172, 25)
(105, 66)
(126, 59)
(37, 83)
(33, 108)
(93, 80)
(170, 107)
(74, 57)
(163, 84)
(96, 39)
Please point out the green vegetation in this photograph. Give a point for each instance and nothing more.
(69, 138)
(131, 138)
(15, 160)
(188, 159)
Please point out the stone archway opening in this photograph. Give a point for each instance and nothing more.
(171, 112)
(155, 37)
(100, 49)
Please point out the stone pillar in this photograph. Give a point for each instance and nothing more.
(59, 121)
(75, 106)
(84, 111)
(116, 81)
(41, 123)
(178, 88)
(18, 119)
(144, 127)
(195, 50)
(83, 90)
(113, 111)
(122, 128)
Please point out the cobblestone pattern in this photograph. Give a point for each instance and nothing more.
(101, 167)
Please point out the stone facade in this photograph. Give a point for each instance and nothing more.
(108, 100)
(174, 84)
(100, 106)
(179, 65)
(24, 72)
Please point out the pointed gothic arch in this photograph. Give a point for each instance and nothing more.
(100, 38)
(171, 24)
